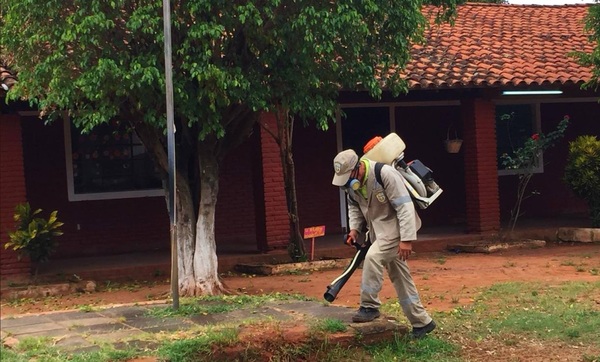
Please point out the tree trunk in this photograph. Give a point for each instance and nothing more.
(186, 237)
(196, 248)
(516, 210)
(285, 126)
(197, 252)
(205, 254)
(296, 247)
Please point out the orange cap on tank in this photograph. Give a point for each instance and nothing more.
(372, 142)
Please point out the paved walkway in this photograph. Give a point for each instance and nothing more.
(128, 326)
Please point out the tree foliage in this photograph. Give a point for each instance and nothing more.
(592, 26)
(99, 60)
(582, 173)
(95, 57)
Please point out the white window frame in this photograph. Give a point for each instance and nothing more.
(537, 128)
(72, 196)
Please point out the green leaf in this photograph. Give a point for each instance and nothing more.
(34, 236)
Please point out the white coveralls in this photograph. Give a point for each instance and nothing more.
(390, 217)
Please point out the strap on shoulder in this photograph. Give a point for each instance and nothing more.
(378, 167)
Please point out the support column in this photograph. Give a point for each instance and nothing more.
(12, 192)
(272, 221)
(481, 172)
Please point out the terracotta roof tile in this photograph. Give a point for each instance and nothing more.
(508, 45)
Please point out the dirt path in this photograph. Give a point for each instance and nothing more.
(445, 280)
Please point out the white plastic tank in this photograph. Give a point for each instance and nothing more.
(387, 149)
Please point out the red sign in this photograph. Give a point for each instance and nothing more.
(314, 231)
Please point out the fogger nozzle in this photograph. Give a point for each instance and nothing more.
(338, 283)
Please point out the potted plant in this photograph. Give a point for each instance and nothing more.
(452, 145)
(35, 236)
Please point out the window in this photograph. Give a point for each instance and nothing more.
(108, 163)
(515, 123)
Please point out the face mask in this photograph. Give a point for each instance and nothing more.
(353, 184)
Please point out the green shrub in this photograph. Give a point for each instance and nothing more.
(35, 236)
(582, 173)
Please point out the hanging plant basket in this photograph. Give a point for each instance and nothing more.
(452, 145)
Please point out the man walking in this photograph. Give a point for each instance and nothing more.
(387, 211)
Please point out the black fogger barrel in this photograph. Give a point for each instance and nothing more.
(338, 283)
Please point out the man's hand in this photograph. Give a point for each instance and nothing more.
(352, 236)
(404, 249)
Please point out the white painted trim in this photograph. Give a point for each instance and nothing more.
(117, 195)
(521, 100)
(530, 92)
(342, 194)
(516, 172)
(72, 196)
(343, 210)
(338, 129)
(69, 157)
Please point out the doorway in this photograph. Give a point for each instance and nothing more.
(356, 127)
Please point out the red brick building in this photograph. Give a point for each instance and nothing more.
(456, 83)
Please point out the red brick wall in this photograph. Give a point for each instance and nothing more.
(235, 214)
(276, 218)
(12, 192)
(481, 180)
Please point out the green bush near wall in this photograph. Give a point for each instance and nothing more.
(582, 173)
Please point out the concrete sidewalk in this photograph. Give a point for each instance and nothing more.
(133, 326)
